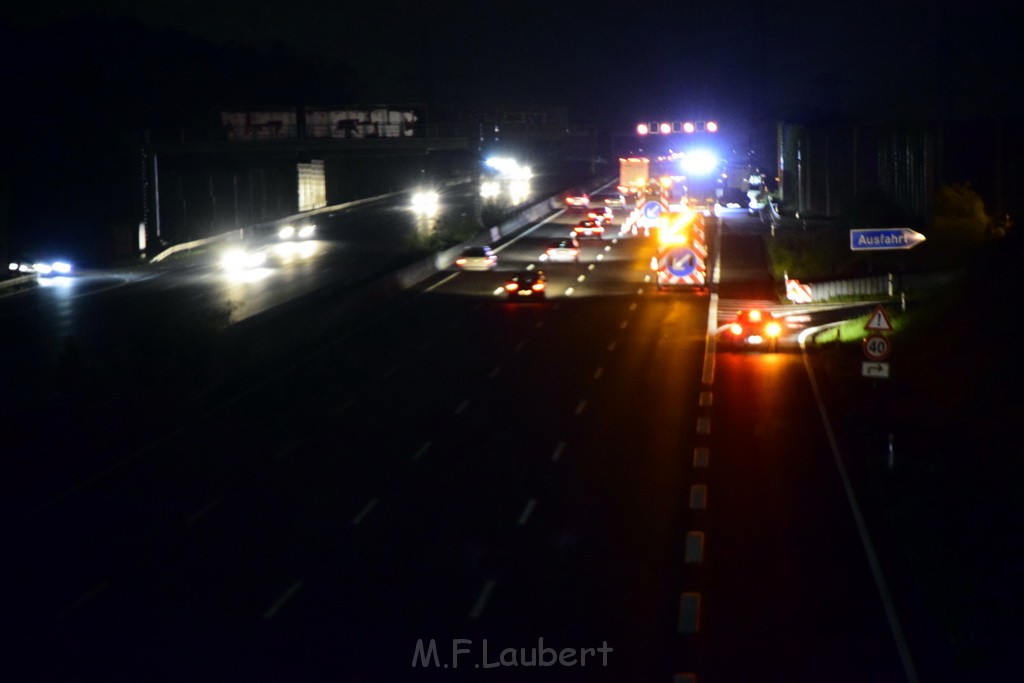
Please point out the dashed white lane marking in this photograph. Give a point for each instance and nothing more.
(557, 453)
(346, 405)
(624, 324)
(519, 346)
(581, 406)
(422, 451)
(689, 613)
(640, 292)
(684, 678)
(86, 597)
(481, 601)
(367, 509)
(591, 266)
(279, 603)
(494, 373)
(389, 373)
(525, 517)
(462, 407)
(581, 278)
(540, 324)
(569, 291)
(611, 346)
(698, 497)
(198, 514)
(700, 456)
(647, 278)
(598, 373)
(425, 345)
(453, 324)
(703, 425)
(530, 267)
(438, 284)
(607, 248)
(498, 290)
(705, 399)
(600, 257)
(694, 547)
(632, 306)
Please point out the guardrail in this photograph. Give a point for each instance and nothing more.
(886, 285)
(17, 282)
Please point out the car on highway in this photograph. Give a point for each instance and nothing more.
(600, 213)
(589, 228)
(613, 199)
(44, 267)
(290, 232)
(528, 285)
(577, 198)
(562, 250)
(477, 258)
(754, 329)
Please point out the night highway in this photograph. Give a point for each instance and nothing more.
(456, 471)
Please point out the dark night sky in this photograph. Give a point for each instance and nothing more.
(160, 63)
(626, 60)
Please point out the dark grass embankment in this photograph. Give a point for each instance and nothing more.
(950, 512)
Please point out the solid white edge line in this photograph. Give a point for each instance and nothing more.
(525, 516)
(283, 599)
(858, 518)
(364, 512)
(481, 602)
(557, 453)
(707, 376)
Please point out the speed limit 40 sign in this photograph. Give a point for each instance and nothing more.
(877, 347)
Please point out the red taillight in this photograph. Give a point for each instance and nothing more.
(538, 286)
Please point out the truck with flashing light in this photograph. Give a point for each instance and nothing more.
(634, 174)
(681, 258)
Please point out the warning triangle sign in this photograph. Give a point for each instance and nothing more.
(879, 321)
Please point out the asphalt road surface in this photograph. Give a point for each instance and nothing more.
(457, 472)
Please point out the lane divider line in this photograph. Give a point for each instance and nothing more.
(525, 516)
(481, 601)
(698, 497)
(700, 456)
(269, 614)
(557, 453)
(694, 547)
(367, 509)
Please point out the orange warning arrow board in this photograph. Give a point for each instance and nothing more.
(879, 321)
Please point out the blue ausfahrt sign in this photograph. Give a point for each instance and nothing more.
(883, 239)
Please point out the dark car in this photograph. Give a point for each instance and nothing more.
(610, 199)
(526, 286)
(577, 198)
(589, 228)
(754, 329)
(600, 213)
(477, 258)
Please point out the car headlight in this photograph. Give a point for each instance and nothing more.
(286, 232)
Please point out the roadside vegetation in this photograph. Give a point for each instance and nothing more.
(949, 510)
